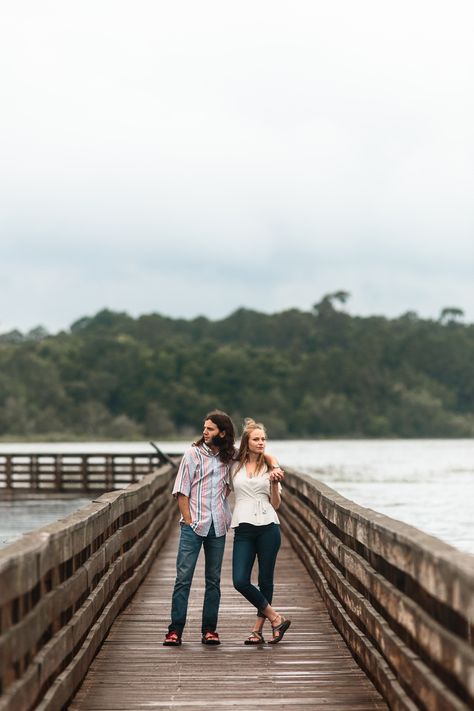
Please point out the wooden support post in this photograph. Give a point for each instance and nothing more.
(58, 472)
(109, 474)
(8, 471)
(85, 472)
(34, 471)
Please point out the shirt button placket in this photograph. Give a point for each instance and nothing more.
(213, 471)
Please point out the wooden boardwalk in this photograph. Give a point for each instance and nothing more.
(311, 669)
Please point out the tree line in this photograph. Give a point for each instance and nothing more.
(318, 373)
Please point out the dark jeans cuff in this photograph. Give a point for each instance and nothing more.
(174, 628)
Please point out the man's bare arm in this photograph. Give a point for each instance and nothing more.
(276, 473)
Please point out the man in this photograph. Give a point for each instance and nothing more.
(201, 488)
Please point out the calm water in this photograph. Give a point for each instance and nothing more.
(17, 517)
(427, 483)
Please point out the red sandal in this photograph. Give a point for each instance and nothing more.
(210, 638)
(172, 639)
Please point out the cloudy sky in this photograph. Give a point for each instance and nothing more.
(193, 157)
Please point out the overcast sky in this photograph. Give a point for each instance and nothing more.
(193, 157)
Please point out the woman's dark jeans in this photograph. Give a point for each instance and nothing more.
(190, 545)
(250, 542)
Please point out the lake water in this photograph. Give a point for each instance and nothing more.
(427, 483)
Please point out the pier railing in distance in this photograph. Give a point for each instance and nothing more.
(71, 473)
(62, 586)
(402, 600)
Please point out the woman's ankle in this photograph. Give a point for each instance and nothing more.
(272, 616)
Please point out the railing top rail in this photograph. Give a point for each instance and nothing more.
(398, 530)
(127, 498)
(443, 571)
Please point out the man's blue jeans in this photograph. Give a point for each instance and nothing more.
(188, 552)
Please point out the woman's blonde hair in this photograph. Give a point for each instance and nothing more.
(243, 453)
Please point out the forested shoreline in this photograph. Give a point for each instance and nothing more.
(319, 373)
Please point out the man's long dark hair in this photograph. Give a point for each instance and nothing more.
(226, 443)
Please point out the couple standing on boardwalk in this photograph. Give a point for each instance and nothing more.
(208, 472)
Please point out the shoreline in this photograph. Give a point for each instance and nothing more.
(81, 439)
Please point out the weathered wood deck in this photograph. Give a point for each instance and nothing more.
(311, 669)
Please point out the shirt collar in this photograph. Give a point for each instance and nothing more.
(208, 450)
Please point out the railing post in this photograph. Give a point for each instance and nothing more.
(34, 472)
(109, 476)
(8, 471)
(85, 472)
(58, 472)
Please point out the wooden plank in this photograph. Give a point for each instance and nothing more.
(19, 568)
(311, 667)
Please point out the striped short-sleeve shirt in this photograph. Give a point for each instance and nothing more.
(204, 479)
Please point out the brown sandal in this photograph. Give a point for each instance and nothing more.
(280, 630)
(255, 642)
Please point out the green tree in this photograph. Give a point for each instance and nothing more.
(450, 314)
(319, 373)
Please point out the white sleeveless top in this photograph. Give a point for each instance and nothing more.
(252, 499)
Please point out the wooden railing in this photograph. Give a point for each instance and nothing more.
(73, 472)
(62, 586)
(402, 600)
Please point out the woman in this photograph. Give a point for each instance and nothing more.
(257, 530)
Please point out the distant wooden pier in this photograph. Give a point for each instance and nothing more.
(359, 586)
(74, 473)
